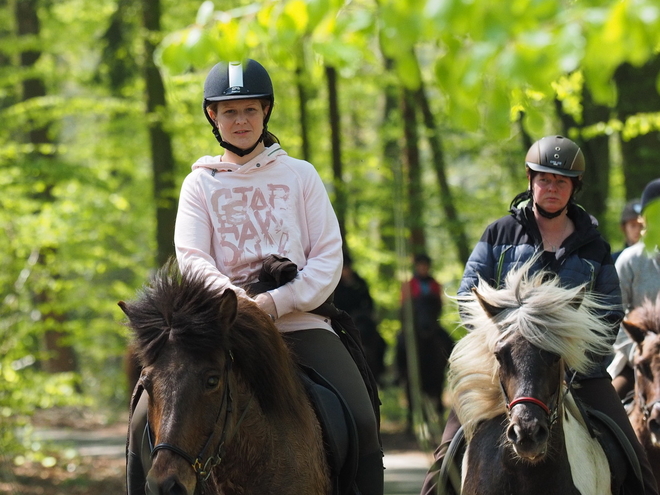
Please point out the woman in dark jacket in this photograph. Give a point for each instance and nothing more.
(546, 221)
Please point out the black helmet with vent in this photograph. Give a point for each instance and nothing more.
(234, 81)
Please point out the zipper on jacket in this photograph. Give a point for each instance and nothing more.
(592, 278)
(500, 263)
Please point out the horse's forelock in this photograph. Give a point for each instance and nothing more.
(647, 315)
(182, 309)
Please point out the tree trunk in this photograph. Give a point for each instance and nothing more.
(335, 138)
(638, 93)
(60, 356)
(391, 162)
(454, 224)
(415, 193)
(303, 98)
(162, 158)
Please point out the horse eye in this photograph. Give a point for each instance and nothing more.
(644, 369)
(145, 380)
(212, 381)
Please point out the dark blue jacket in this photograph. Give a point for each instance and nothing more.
(584, 257)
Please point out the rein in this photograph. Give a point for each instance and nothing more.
(203, 468)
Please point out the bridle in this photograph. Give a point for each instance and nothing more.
(551, 413)
(646, 408)
(204, 468)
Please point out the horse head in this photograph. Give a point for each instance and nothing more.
(181, 334)
(642, 324)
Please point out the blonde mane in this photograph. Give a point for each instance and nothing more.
(564, 321)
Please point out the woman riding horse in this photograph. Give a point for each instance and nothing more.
(545, 220)
(253, 202)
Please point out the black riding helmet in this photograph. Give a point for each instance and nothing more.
(556, 155)
(235, 81)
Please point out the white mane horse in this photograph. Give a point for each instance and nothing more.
(531, 327)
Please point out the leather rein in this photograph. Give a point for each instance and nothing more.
(202, 468)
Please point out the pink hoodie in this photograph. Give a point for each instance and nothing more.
(230, 217)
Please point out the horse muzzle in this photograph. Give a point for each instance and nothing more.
(171, 485)
(528, 434)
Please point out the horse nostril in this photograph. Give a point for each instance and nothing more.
(171, 486)
(513, 433)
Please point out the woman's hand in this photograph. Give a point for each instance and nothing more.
(266, 304)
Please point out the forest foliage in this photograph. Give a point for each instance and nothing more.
(81, 145)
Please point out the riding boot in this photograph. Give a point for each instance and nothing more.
(138, 459)
(370, 476)
(430, 486)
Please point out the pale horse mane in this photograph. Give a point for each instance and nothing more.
(543, 312)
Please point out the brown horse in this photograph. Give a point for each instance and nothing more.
(643, 326)
(227, 410)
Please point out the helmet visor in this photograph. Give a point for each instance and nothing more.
(554, 170)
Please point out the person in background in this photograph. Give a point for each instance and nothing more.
(546, 222)
(638, 267)
(434, 345)
(352, 295)
(250, 204)
(630, 225)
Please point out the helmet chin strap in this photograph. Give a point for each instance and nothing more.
(235, 149)
(546, 213)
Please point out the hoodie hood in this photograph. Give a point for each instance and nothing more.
(265, 158)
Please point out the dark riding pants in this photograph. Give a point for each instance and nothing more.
(324, 352)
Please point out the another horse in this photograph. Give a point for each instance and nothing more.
(643, 326)
(227, 410)
(507, 382)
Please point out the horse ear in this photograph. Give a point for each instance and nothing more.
(491, 311)
(123, 307)
(228, 307)
(636, 333)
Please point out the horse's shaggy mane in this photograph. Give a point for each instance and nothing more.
(647, 314)
(535, 306)
(184, 310)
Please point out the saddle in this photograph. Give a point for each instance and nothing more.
(620, 454)
(339, 430)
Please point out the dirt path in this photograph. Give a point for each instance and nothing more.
(90, 461)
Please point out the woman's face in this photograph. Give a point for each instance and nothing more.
(240, 122)
(551, 191)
